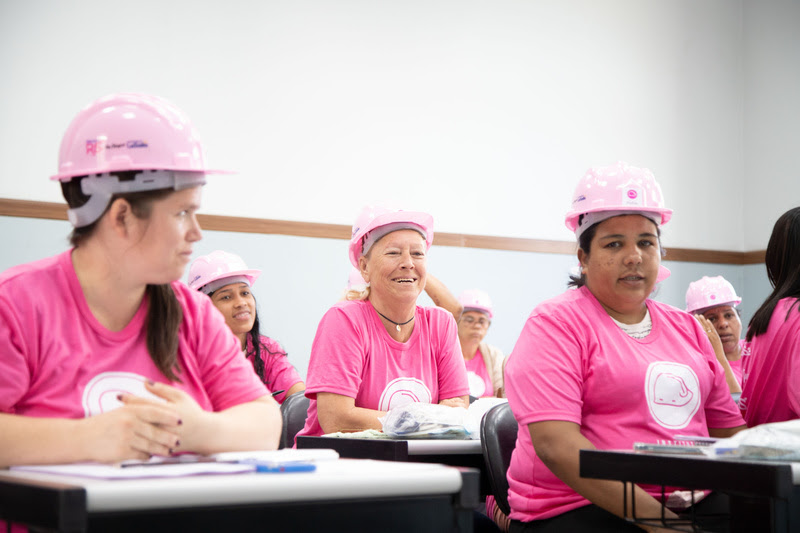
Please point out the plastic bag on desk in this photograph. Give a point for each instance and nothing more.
(778, 440)
(425, 420)
(476, 412)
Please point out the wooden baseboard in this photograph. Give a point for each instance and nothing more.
(58, 211)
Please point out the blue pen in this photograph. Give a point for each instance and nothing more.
(279, 468)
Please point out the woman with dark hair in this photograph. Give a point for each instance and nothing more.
(771, 388)
(603, 366)
(107, 356)
(225, 278)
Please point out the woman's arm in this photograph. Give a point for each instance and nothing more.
(339, 413)
(716, 343)
(297, 387)
(254, 425)
(442, 297)
(557, 443)
(130, 432)
(457, 401)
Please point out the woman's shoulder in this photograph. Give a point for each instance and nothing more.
(37, 271)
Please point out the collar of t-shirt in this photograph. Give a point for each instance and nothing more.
(637, 331)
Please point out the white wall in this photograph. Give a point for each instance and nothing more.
(484, 113)
(771, 115)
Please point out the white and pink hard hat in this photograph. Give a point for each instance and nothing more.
(129, 132)
(708, 292)
(375, 221)
(210, 272)
(614, 190)
(476, 300)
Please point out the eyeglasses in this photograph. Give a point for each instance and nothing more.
(482, 322)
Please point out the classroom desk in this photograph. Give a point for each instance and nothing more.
(764, 495)
(453, 452)
(341, 495)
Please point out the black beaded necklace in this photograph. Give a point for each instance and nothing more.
(396, 324)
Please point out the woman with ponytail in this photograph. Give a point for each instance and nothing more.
(107, 356)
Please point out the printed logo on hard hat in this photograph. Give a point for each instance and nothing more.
(95, 147)
(633, 196)
(580, 198)
(100, 394)
(403, 391)
(673, 394)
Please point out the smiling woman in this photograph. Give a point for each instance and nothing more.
(225, 278)
(609, 366)
(383, 350)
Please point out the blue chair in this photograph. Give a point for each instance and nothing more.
(294, 411)
(498, 439)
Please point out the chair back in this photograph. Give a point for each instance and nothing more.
(294, 410)
(498, 439)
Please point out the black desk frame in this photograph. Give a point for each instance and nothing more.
(763, 495)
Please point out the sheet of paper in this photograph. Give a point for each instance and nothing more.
(102, 471)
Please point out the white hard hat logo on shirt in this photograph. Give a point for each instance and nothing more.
(403, 391)
(100, 394)
(673, 394)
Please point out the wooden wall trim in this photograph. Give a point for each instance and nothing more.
(58, 211)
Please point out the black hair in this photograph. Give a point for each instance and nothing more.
(782, 260)
(585, 244)
(255, 346)
(164, 313)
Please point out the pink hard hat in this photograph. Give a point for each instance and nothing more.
(374, 217)
(209, 272)
(476, 300)
(710, 292)
(129, 132)
(618, 188)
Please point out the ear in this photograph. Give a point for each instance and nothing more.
(362, 266)
(120, 216)
(582, 256)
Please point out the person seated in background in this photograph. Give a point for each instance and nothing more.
(603, 366)
(484, 362)
(714, 299)
(771, 390)
(383, 350)
(225, 278)
(106, 355)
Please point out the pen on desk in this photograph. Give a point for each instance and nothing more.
(278, 392)
(173, 461)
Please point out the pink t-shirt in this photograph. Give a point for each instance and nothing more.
(573, 363)
(353, 355)
(736, 366)
(59, 361)
(480, 384)
(771, 388)
(279, 373)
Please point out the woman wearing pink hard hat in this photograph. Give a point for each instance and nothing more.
(383, 350)
(713, 301)
(484, 362)
(603, 366)
(107, 355)
(771, 390)
(225, 278)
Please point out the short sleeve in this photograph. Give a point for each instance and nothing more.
(544, 373)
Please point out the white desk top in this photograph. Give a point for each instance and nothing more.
(443, 446)
(338, 479)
